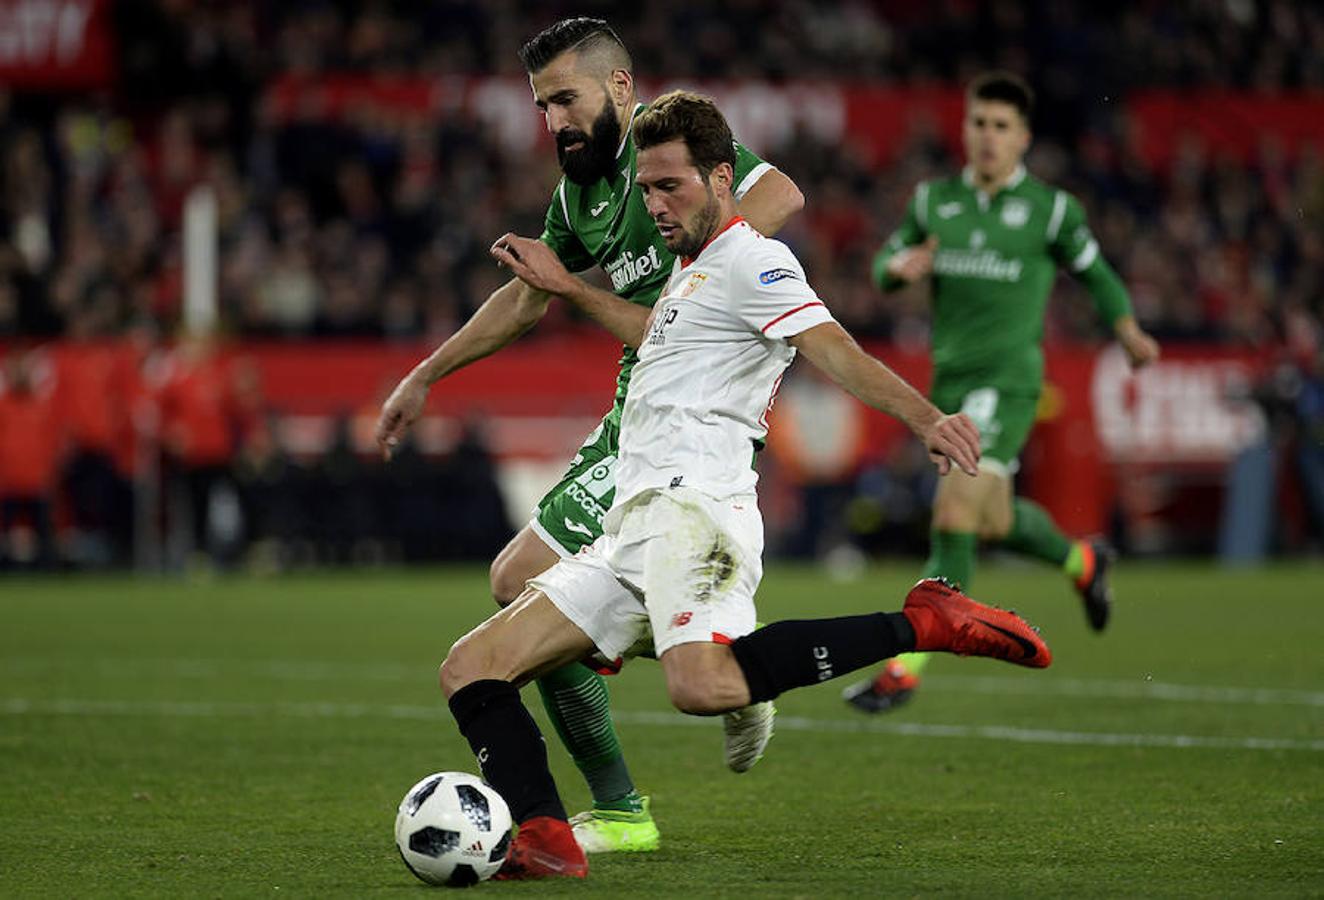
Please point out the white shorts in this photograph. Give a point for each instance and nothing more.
(673, 566)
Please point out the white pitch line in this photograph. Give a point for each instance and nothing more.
(1004, 733)
(174, 667)
(1143, 689)
(1140, 688)
(17, 706)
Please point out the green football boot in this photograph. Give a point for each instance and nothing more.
(613, 831)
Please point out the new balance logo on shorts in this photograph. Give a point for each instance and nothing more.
(681, 619)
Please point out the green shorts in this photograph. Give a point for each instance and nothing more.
(570, 515)
(1004, 419)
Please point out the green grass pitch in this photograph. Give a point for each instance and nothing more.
(252, 737)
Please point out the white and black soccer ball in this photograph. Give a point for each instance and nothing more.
(453, 829)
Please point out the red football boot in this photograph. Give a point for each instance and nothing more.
(894, 686)
(946, 619)
(544, 848)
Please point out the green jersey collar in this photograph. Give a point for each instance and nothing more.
(1017, 176)
(625, 138)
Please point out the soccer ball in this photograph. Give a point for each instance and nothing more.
(452, 829)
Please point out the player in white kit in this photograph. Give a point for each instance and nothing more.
(681, 555)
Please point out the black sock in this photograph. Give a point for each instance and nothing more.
(799, 653)
(509, 747)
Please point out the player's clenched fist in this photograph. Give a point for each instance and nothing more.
(913, 263)
(1141, 349)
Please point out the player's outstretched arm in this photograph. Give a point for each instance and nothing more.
(534, 263)
(511, 310)
(1141, 349)
(770, 202)
(1077, 250)
(949, 439)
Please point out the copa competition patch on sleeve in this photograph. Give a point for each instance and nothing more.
(772, 275)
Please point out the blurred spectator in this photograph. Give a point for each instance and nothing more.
(31, 451)
(1289, 448)
(97, 387)
(269, 493)
(472, 515)
(202, 422)
(339, 498)
(817, 438)
(1310, 441)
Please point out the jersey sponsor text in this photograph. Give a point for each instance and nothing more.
(627, 268)
(989, 265)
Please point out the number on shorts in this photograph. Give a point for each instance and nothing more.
(981, 405)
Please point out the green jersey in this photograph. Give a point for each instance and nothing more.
(607, 223)
(993, 271)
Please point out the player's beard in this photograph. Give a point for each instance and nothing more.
(691, 239)
(597, 157)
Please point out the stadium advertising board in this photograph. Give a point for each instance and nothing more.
(55, 44)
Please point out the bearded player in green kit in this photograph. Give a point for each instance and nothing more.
(581, 77)
(992, 238)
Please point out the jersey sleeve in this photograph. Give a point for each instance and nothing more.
(1076, 249)
(912, 230)
(1069, 237)
(557, 234)
(774, 299)
(749, 169)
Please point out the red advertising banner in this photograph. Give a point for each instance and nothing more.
(879, 121)
(1099, 423)
(55, 44)
(1224, 124)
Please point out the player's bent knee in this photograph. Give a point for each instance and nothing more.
(995, 528)
(704, 679)
(451, 675)
(524, 558)
(995, 523)
(463, 665)
(954, 516)
(506, 582)
(694, 699)
(706, 692)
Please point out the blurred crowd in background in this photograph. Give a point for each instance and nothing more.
(379, 225)
(376, 225)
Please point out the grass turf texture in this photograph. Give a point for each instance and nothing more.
(253, 737)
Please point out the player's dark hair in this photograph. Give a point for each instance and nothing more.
(693, 118)
(581, 34)
(1004, 87)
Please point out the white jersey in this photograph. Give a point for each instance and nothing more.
(714, 353)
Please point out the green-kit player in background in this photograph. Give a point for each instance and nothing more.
(581, 77)
(993, 238)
